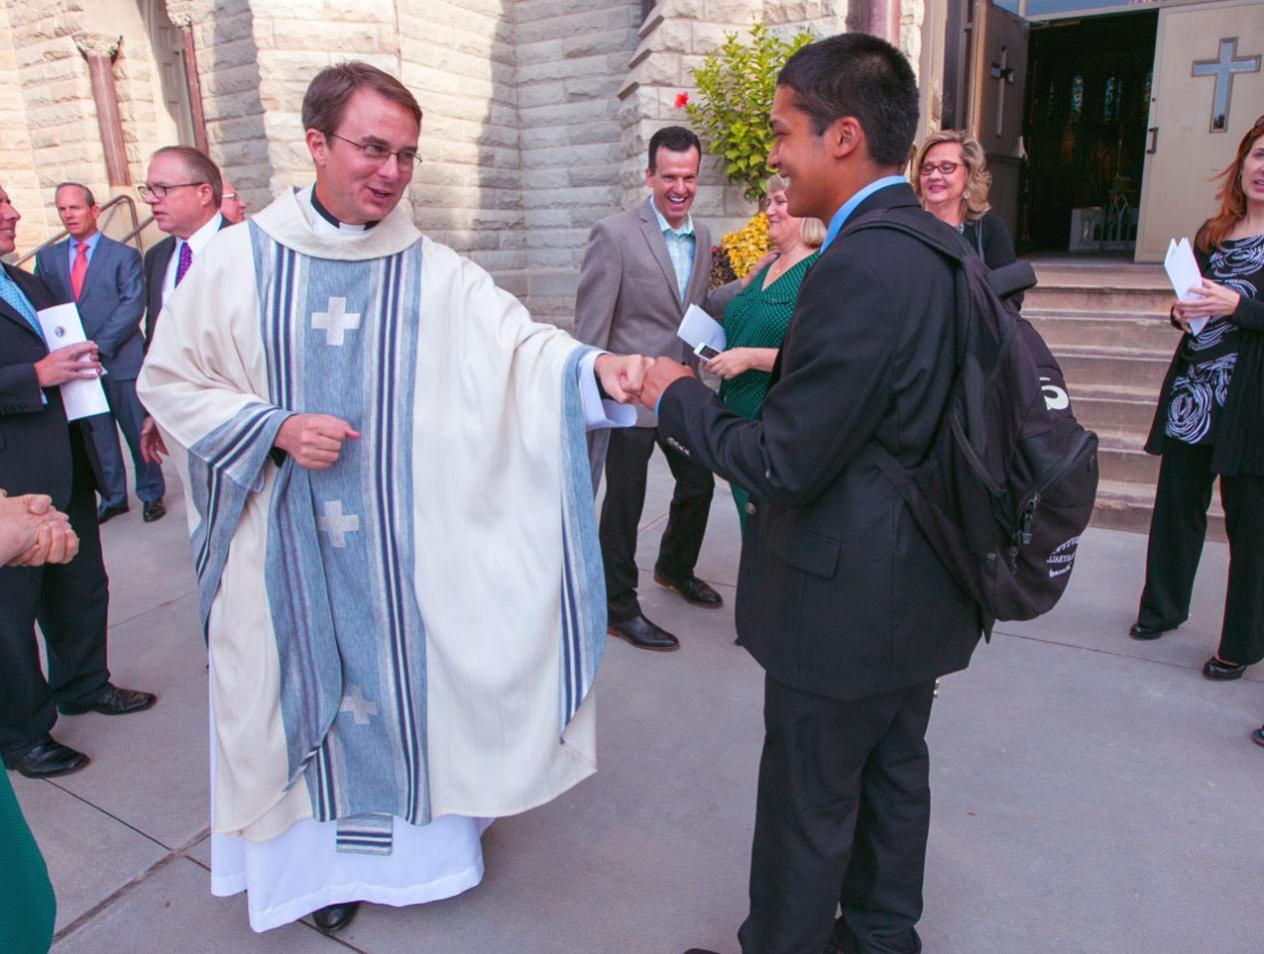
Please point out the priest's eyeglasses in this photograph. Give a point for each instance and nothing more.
(154, 190)
(376, 152)
(945, 168)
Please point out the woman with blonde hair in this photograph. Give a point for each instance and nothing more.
(1208, 423)
(755, 321)
(951, 178)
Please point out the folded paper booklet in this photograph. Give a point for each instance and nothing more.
(81, 397)
(704, 335)
(1182, 272)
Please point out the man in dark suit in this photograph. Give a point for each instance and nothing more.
(642, 269)
(41, 453)
(184, 190)
(840, 597)
(103, 277)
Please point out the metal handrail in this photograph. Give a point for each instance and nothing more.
(109, 207)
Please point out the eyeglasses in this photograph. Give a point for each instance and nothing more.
(945, 168)
(376, 152)
(147, 189)
(230, 195)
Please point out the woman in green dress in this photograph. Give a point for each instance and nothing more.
(755, 321)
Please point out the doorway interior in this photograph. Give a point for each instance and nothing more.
(1084, 130)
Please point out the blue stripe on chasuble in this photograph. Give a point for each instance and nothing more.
(353, 668)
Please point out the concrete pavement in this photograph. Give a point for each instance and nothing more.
(1092, 794)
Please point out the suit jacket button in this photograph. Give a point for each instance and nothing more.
(750, 507)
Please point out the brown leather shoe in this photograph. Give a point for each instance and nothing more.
(643, 634)
(48, 758)
(694, 590)
(111, 700)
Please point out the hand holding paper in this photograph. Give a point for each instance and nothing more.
(72, 363)
(1182, 272)
(698, 329)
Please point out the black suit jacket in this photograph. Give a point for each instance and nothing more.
(38, 448)
(156, 261)
(839, 593)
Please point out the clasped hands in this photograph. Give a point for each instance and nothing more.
(632, 377)
(33, 532)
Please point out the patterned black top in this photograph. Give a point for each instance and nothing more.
(1201, 385)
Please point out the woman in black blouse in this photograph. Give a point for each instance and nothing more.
(951, 178)
(1210, 422)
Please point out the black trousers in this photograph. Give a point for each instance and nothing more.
(842, 818)
(1177, 530)
(127, 413)
(71, 604)
(627, 465)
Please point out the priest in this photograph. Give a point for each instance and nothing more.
(392, 521)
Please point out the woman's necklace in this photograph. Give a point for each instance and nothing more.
(786, 262)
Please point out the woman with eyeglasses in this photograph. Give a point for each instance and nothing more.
(952, 180)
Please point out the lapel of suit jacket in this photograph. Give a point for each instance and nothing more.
(59, 265)
(700, 277)
(12, 314)
(658, 246)
(96, 265)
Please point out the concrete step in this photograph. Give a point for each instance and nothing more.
(1119, 410)
(1091, 300)
(1088, 368)
(1120, 458)
(1125, 506)
(1067, 328)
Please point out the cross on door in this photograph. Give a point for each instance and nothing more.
(336, 321)
(359, 707)
(1223, 69)
(336, 523)
(1003, 73)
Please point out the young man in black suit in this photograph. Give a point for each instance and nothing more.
(840, 597)
(40, 452)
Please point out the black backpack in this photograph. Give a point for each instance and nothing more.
(1009, 481)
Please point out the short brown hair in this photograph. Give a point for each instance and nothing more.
(325, 101)
(978, 179)
(200, 166)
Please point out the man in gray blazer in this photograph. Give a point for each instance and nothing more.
(642, 269)
(104, 278)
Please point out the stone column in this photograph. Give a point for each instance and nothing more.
(878, 17)
(100, 50)
(182, 14)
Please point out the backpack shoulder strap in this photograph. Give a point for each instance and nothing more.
(916, 226)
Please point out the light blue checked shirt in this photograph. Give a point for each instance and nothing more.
(682, 245)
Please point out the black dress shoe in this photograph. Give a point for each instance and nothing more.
(1142, 631)
(153, 510)
(110, 511)
(48, 758)
(1215, 668)
(700, 950)
(111, 701)
(335, 917)
(693, 590)
(643, 634)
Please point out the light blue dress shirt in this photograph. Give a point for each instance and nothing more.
(842, 215)
(72, 250)
(682, 246)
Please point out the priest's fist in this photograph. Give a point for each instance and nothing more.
(663, 373)
(314, 440)
(622, 375)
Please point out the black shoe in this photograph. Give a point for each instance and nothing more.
(1215, 668)
(693, 590)
(110, 511)
(1258, 736)
(153, 510)
(335, 917)
(1142, 631)
(48, 758)
(643, 634)
(111, 700)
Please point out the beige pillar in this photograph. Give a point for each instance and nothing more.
(182, 14)
(100, 50)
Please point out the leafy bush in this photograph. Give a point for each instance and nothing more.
(735, 91)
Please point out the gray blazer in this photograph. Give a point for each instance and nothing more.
(112, 303)
(627, 300)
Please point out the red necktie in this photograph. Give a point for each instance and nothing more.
(79, 269)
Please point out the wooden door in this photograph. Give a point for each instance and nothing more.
(1208, 90)
(998, 62)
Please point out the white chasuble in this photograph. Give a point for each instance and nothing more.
(410, 636)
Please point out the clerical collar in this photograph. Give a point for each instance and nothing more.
(328, 216)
